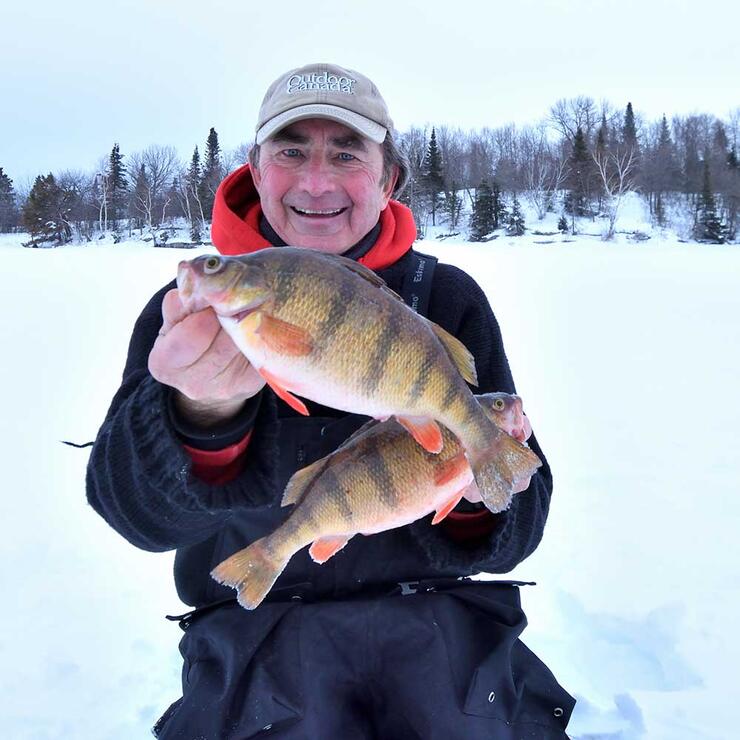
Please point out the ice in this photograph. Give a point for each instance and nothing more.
(627, 358)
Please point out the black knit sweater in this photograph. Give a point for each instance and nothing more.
(139, 476)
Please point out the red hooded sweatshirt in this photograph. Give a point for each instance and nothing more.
(235, 230)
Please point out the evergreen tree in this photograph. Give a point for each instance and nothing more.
(602, 137)
(709, 227)
(629, 130)
(140, 204)
(45, 211)
(117, 185)
(432, 177)
(481, 218)
(212, 173)
(665, 173)
(192, 199)
(499, 207)
(580, 178)
(563, 225)
(515, 226)
(8, 211)
(631, 144)
(667, 162)
(452, 206)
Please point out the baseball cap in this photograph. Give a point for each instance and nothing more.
(324, 91)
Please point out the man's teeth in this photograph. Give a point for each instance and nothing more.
(314, 212)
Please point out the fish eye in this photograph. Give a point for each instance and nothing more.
(498, 404)
(211, 265)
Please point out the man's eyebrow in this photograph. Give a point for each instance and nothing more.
(288, 137)
(349, 142)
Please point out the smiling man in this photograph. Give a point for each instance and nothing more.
(384, 640)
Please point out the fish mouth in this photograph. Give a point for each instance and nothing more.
(241, 313)
(318, 213)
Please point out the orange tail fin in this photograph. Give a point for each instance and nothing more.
(251, 571)
(496, 470)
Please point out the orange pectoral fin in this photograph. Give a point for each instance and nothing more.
(323, 548)
(284, 393)
(424, 430)
(448, 471)
(284, 338)
(448, 507)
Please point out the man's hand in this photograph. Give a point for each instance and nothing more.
(194, 355)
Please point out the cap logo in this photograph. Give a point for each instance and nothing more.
(323, 81)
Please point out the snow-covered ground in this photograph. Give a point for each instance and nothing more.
(627, 356)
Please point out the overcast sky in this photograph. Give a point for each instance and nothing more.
(81, 74)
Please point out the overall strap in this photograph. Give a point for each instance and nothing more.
(417, 284)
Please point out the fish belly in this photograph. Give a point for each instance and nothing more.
(308, 376)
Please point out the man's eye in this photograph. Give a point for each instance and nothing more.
(291, 152)
(346, 156)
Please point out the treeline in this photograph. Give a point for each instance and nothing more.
(578, 163)
(145, 192)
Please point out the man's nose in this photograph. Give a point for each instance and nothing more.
(317, 177)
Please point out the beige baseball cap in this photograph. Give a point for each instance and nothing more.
(324, 91)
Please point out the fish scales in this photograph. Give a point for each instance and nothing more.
(386, 337)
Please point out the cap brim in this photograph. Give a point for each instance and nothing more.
(364, 126)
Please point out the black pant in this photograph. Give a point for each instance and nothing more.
(432, 666)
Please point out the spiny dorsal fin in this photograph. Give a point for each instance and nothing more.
(364, 272)
(302, 479)
(460, 355)
(367, 274)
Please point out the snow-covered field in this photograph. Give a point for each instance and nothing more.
(627, 356)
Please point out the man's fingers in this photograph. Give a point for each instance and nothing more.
(186, 341)
(172, 310)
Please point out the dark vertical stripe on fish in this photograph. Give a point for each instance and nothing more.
(452, 393)
(424, 373)
(331, 482)
(338, 309)
(381, 476)
(283, 286)
(375, 372)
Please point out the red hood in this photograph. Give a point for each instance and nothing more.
(236, 216)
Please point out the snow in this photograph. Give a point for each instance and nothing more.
(627, 357)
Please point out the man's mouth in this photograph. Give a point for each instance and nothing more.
(319, 212)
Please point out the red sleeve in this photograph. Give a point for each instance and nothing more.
(462, 526)
(219, 466)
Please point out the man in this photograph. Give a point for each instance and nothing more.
(382, 641)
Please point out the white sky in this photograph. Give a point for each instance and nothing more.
(79, 75)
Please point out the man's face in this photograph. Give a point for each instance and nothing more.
(319, 184)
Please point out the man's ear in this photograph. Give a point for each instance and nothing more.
(256, 176)
(390, 186)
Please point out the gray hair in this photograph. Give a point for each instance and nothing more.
(393, 156)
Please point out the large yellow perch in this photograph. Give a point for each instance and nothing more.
(377, 480)
(328, 329)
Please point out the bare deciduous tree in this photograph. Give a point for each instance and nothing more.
(543, 169)
(570, 114)
(161, 164)
(615, 171)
